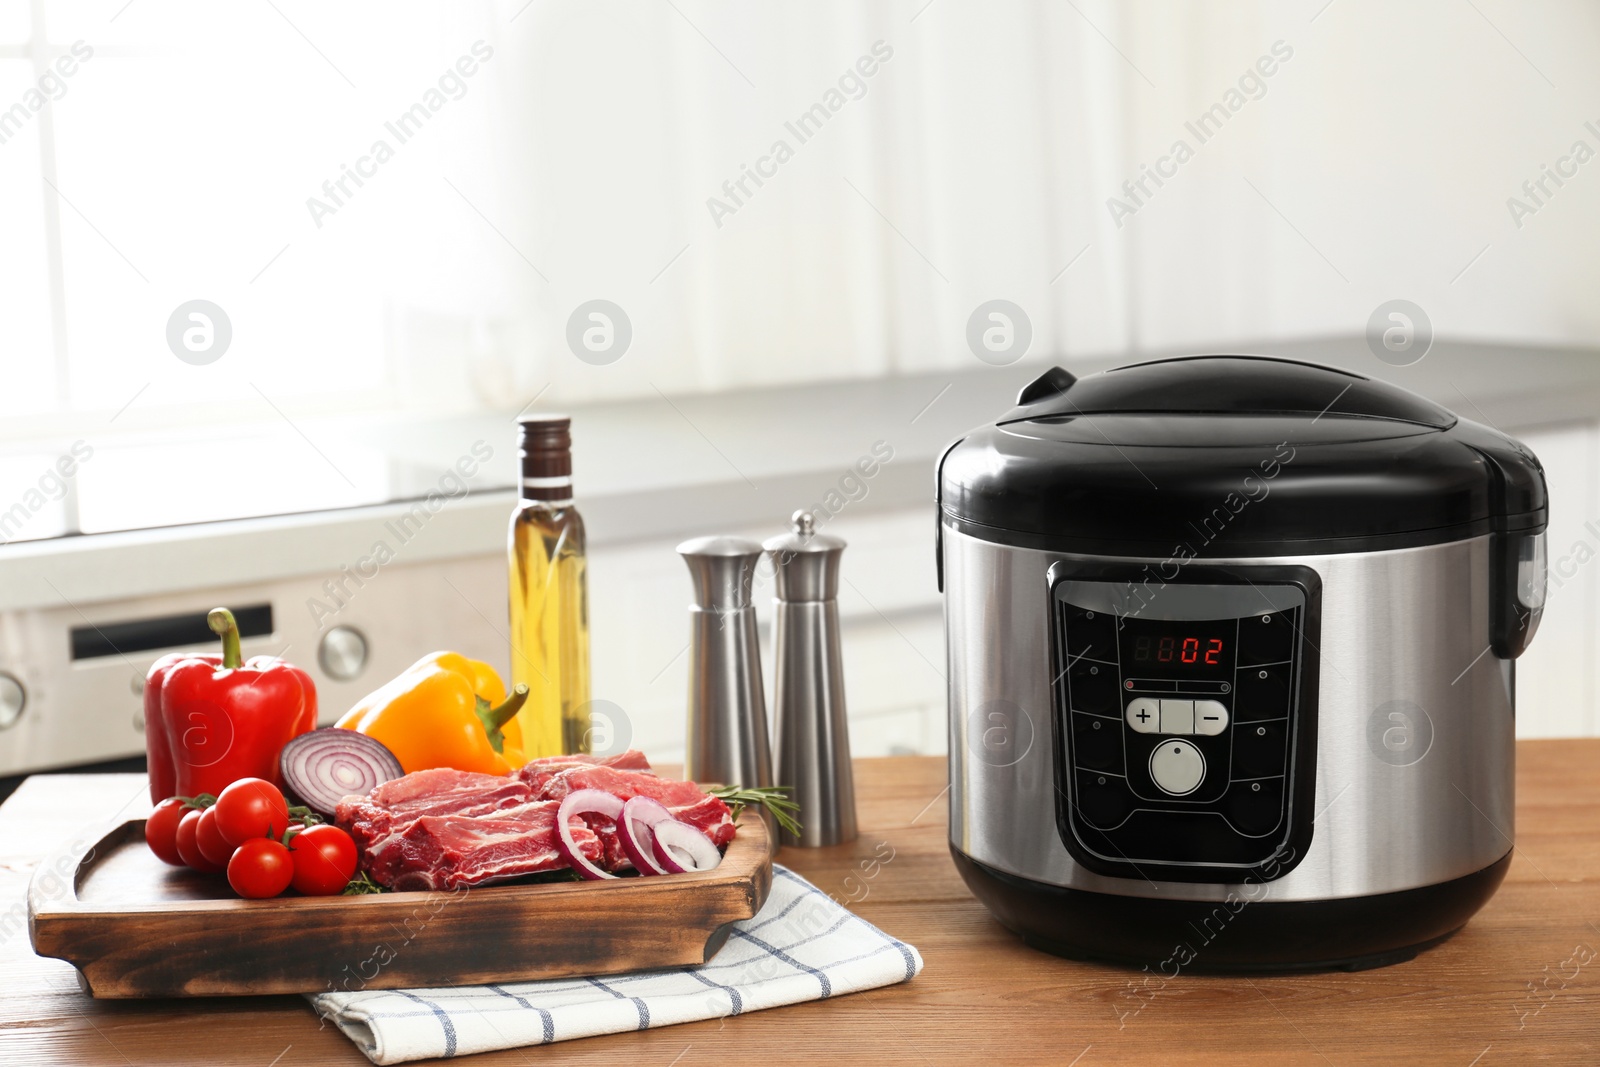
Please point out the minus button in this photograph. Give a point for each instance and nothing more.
(1210, 717)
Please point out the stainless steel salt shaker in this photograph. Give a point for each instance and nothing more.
(727, 704)
(813, 746)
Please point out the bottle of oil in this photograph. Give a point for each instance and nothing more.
(549, 594)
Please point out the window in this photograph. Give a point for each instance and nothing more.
(159, 153)
(399, 206)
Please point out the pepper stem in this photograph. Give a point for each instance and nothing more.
(495, 717)
(222, 623)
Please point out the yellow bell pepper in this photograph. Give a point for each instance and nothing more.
(445, 710)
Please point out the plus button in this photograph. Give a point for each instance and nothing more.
(1143, 715)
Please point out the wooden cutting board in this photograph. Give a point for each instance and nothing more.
(135, 927)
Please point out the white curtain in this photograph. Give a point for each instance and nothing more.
(978, 160)
(956, 172)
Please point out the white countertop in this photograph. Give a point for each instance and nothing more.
(666, 467)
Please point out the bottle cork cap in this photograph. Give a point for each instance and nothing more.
(545, 453)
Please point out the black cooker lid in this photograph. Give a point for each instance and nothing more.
(1234, 455)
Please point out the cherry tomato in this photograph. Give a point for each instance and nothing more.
(187, 847)
(209, 840)
(161, 830)
(251, 807)
(324, 860)
(260, 868)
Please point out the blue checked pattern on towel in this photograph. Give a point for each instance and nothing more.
(801, 946)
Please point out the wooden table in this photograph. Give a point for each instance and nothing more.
(1500, 992)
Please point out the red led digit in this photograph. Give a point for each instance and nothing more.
(1164, 654)
(1214, 651)
(1191, 649)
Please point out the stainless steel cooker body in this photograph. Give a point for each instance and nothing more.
(1231, 644)
(1413, 726)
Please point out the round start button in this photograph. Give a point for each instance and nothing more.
(1177, 767)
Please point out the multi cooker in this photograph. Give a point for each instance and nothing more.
(1231, 647)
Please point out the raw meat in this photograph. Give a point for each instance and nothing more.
(445, 829)
(684, 799)
(537, 772)
(434, 792)
(432, 785)
(613, 857)
(390, 809)
(449, 852)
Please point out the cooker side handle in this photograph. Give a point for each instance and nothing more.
(938, 513)
(1517, 590)
(1519, 498)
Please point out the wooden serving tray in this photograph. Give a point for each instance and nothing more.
(136, 927)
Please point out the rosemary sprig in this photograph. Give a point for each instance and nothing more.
(360, 885)
(775, 799)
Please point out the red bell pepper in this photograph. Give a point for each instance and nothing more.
(210, 720)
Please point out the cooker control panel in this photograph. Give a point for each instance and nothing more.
(1184, 723)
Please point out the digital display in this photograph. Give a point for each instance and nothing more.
(1180, 649)
(1153, 648)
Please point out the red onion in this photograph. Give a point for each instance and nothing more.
(638, 841)
(324, 766)
(681, 848)
(583, 802)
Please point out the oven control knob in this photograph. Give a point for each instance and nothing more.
(1177, 767)
(342, 653)
(13, 698)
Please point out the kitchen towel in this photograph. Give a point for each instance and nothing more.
(800, 946)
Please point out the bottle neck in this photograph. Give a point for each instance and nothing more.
(550, 491)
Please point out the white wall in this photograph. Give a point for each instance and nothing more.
(893, 635)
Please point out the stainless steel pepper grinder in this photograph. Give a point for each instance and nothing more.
(727, 704)
(813, 749)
